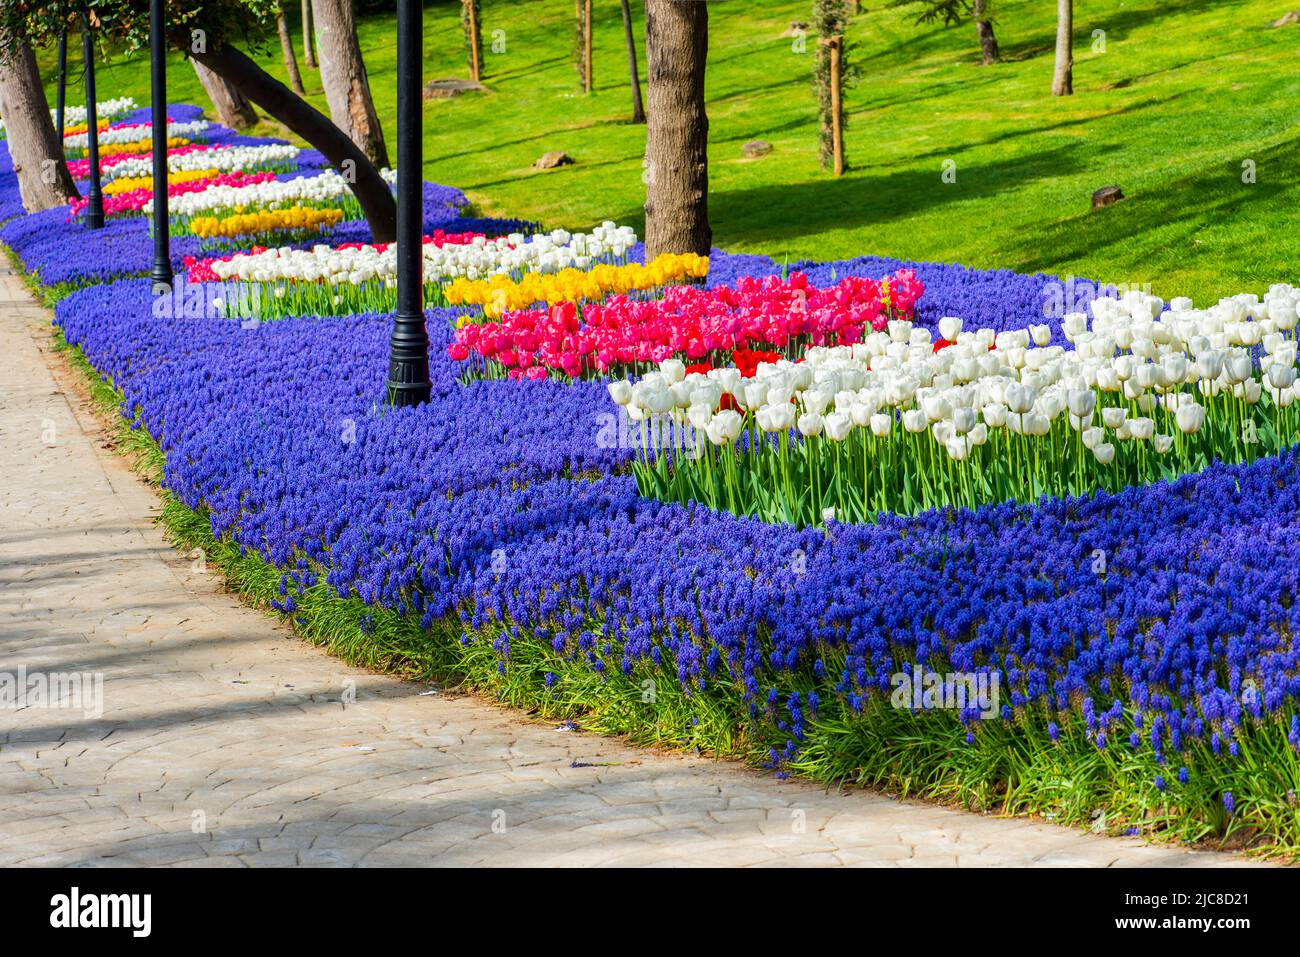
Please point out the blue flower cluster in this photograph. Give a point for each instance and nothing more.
(1149, 619)
(280, 432)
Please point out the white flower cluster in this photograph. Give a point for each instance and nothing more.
(134, 134)
(76, 115)
(104, 109)
(224, 159)
(328, 186)
(1133, 354)
(516, 253)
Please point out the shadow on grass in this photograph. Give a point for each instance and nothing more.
(1210, 197)
(1118, 25)
(777, 212)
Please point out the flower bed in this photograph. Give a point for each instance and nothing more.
(325, 190)
(1139, 640)
(900, 424)
(224, 159)
(140, 198)
(108, 162)
(292, 224)
(690, 322)
(118, 133)
(74, 116)
(352, 277)
(502, 292)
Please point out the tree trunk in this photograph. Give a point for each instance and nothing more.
(286, 47)
(43, 178)
(233, 108)
(1063, 80)
(638, 108)
(343, 74)
(473, 38)
(677, 128)
(586, 47)
(280, 102)
(308, 36)
(984, 28)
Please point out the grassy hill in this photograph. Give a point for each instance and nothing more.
(1179, 96)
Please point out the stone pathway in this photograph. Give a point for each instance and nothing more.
(225, 741)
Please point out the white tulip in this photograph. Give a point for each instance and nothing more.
(936, 407)
(995, 414)
(674, 370)
(660, 401)
(915, 420)
(816, 401)
(1035, 423)
(810, 423)
(724, 428)
(780, 418)
(1239, 367)
(1190, 417)
(838, 426)
(964, 419)
(1104, 453)
(1019, 398)
(620, 391)
(700, 417)
(1081, 402)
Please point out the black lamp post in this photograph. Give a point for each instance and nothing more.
(95, 199)
(408, 364)
(61, 97)
(162, 260)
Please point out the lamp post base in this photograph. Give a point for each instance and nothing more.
(408, 364)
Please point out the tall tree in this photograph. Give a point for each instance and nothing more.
(677, 128)
(308, 36)
(232, 108)
(582, 45)
(343, 74)
(39, 163)
(830, 72)
(638, 107)
(286, 48)
(1063, 78)
(471, 19)
(989, 52)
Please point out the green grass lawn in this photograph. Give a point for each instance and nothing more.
(1183, 94)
